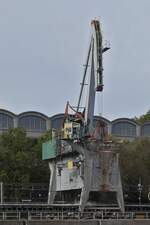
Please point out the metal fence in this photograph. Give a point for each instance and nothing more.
(50, 216)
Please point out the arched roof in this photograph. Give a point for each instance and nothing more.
(124, 127)
(7, 112)
(57, 116)
(102, 119)
(57, 120)
(146, 123)
(32, 121)
(6, 119)
(61, 115)
(124, 120)
(33, 113)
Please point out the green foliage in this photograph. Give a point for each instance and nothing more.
(135, 162)
(144, 118)
(20, 158)
(39, 166)
(135, 166)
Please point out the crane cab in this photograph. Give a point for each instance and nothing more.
(71, 130)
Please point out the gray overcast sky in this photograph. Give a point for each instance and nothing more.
(43, 45)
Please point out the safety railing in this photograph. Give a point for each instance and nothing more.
(74, 215)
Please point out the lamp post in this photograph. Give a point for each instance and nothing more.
(140, 188)
(1, 192)
(148, 193)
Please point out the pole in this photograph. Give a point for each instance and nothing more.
(1, 192)
(140, 188)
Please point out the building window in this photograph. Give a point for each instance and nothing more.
(6, 121)
(33, 123)
(124, 129)
(145, 130)
(57, 123)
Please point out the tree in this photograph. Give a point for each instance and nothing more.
(143, 118)
(21, 160)
(135, 164)
(38, 165)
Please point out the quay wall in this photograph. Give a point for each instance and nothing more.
(125, 222)
(87, 222)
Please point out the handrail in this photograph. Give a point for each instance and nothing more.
(50, 216)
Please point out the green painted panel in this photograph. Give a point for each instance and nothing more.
(49, 149)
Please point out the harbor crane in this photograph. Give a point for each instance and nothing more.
(84, 168)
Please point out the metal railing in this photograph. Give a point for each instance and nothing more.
(73, 216)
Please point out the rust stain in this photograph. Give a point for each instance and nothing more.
(104, 187)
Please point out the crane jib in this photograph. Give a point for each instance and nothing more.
(97, 38)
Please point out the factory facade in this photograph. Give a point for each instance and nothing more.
(36, 124)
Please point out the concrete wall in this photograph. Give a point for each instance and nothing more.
(50, 223)
(89, 222)
(126, 222)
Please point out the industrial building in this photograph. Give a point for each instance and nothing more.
(36, 124)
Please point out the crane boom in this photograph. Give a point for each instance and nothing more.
(95, 79)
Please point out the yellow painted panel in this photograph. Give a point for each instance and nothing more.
(70, 164)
